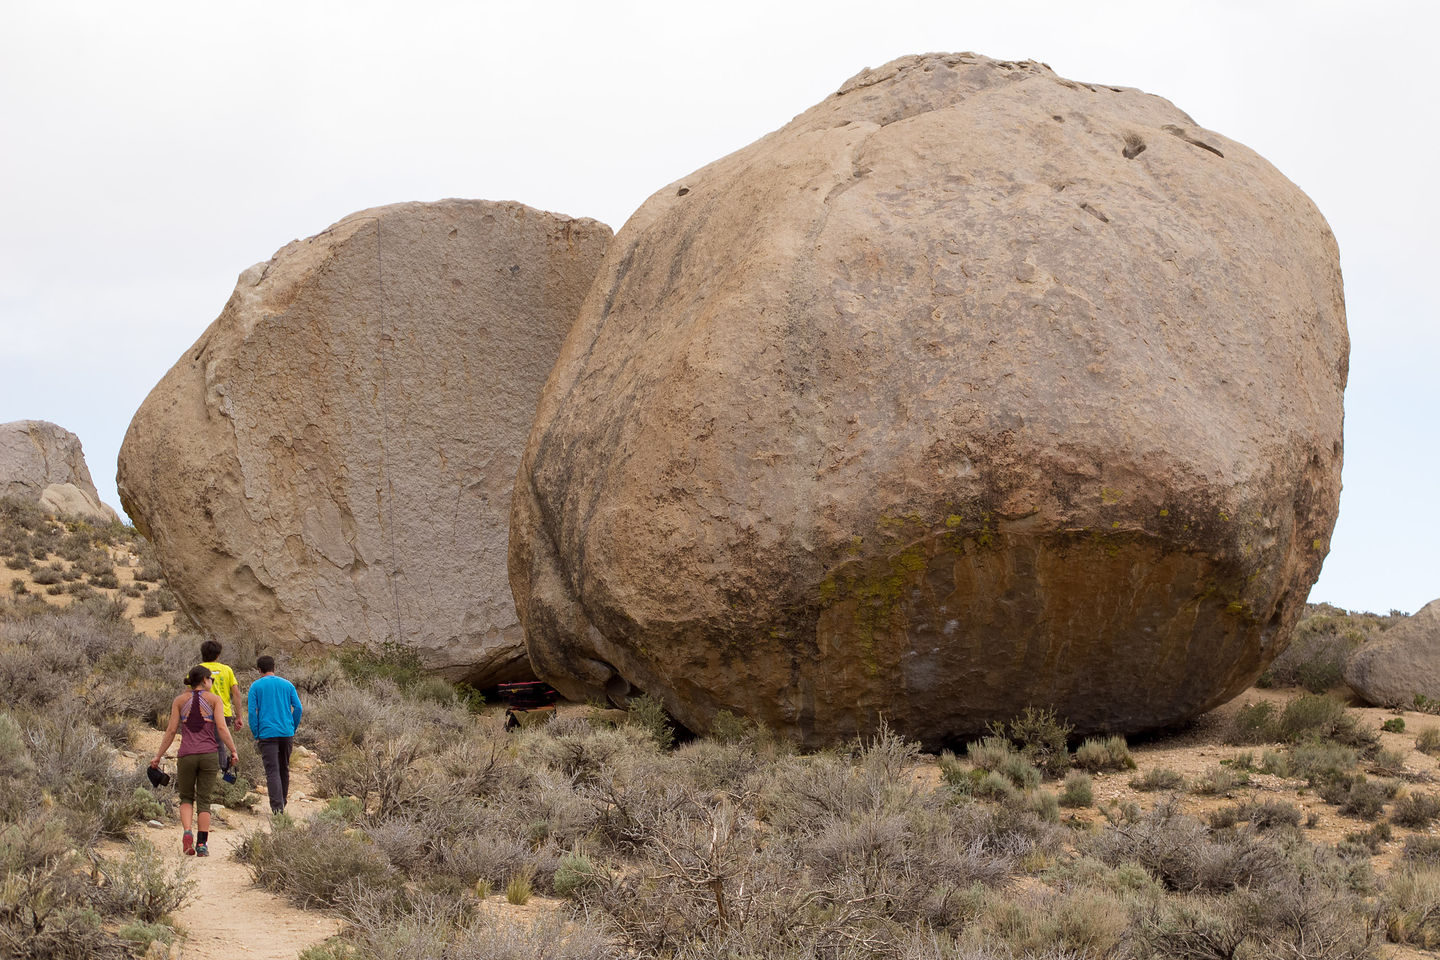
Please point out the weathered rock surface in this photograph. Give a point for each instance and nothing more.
(333, 460)
(1402, 662)
(44, 463)
(970, 388)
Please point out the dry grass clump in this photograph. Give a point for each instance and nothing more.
(1108, 753)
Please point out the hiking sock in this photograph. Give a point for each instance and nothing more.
(203, 836)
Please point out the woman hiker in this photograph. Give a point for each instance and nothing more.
(199, 753)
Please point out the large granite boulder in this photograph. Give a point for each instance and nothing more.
(333, 460)
(971, 388)
(44, 463)
(1401, 663)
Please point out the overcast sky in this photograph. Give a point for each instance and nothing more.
(149, 152)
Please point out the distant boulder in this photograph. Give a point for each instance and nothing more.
(971, 388)
(333, 460)
(1400, 663)
(43, 463)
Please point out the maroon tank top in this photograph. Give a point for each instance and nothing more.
(197, 719)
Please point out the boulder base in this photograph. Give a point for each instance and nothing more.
(332, 461)
(971, 388)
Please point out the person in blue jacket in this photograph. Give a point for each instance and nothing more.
(274, 709)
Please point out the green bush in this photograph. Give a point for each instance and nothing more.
(1041, 737)
(648, 714)
(1078, 791)
(1394, 725)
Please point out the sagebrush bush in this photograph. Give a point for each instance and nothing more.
(1158, 778)
(1108, 753)
(1417, 810)
(1078, 790)
(319, 864)
(1428, 741)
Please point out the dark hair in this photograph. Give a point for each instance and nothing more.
(196, 676)
(265, 664)
(210, 650)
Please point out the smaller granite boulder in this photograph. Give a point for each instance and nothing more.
(1403, 662)
(43, 463)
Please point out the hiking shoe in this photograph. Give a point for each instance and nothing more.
(187, 843)
(201, 850)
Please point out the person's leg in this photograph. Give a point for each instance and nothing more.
(285, 745)
(185, 777)
(274, 785)
(208, 770)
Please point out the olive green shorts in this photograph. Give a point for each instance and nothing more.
(195, 778)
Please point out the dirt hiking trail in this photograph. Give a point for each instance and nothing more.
(227, 916)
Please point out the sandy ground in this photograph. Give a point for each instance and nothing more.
(226, 916)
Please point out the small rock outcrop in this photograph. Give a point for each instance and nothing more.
(1401, 663)
(969, 389)
(333, 460)
(43, 463)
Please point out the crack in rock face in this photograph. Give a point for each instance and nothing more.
(969, 389)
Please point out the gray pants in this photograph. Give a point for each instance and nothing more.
(275, 753)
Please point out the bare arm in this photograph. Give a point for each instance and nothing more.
(222, 727)
(239, 704)
(170, 731)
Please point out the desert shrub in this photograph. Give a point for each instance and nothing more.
(142, 885)
(1269, 814)
(1041, 737)
(1078, 791)
(439, 926)
(1109, 753)
(1410, 906)
(1388, 763)
(648, 714)
(317, 865)
(1360, 798)
(1178, 851)
(1077, 922)
(1371, 838)
(1158, 778)
(150, 606)
(574, 873)
(1218, 780)
(1428, 741)
(167, 599)
(1418, 810)
(48, 575)
(1314, 660)
(1252, 723)
(1422, 849)
(1394, 725)
(996, 754)
(728, 728)
(1319, 762)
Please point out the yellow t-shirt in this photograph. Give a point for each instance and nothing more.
(224, 681)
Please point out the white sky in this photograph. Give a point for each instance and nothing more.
(150, 151)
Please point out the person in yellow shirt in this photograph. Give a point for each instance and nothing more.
(227, 688)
